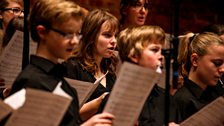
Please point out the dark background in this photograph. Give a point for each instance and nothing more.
(193, 14)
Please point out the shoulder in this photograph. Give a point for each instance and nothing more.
(72, 63)
(183, 95)
(32, 77)
(75, 70)
(111, 76)
(72, 66)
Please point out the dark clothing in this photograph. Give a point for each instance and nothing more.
(1, 93)
(76, 71)
(45, 75)
(220, 87)
(191, 98)
(153, 111)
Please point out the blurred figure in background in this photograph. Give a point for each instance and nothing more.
(134, 12)
(8, 10)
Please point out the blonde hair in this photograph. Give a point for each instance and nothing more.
(132, 41)
(195, 43)
(46, 12)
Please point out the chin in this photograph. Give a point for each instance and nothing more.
(140, 23)
(107, 56)
(214, 83)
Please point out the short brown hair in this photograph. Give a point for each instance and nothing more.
(46, 12)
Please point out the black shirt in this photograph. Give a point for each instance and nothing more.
(76, 71)
(154, 108)
(191, 98)
(220, 86)
(45, 75)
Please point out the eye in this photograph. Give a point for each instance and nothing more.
(147, 5)
(16, 10)
(138, 4)
(218, 63)
(69, 36)
(107, 34)
(155, 49)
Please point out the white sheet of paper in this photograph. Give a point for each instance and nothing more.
(17, 99)
(11, 58)
(210, 115)
(59, 91)
(132, 87)
(41, 108)
(84, 89)
(100, 79)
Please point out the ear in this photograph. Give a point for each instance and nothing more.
(41, 30)
(134, 59)
(194, 59)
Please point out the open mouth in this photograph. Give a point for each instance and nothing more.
(159, 69)
(70, 49)
(141, 18)
(111, 48)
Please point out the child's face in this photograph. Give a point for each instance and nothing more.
(151, 56)
(210, 67)
(61, 39)
(106, 42)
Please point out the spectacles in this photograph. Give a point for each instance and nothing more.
(139, 6)
(68, 36)
(15, 11)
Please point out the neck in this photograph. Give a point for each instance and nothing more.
(193, 77)
(42, 52)
(98, 62)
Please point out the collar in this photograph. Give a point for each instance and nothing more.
(156, 91)
(42, 63)
(48, 66)
(194, 88)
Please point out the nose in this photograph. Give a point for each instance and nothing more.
(113, 41)
(21, 15)
(142, 10)
(161, 57)
(221, 69)
(74, 41)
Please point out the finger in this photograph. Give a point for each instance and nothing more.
(104, 94)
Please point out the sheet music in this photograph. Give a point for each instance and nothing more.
(17, 99)
(132, 87)
(100, 79)
(162, 80)
(5, 110)
(11, 58)
(84, 89)
(40, 109)
(210, 115)
(59, 91)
